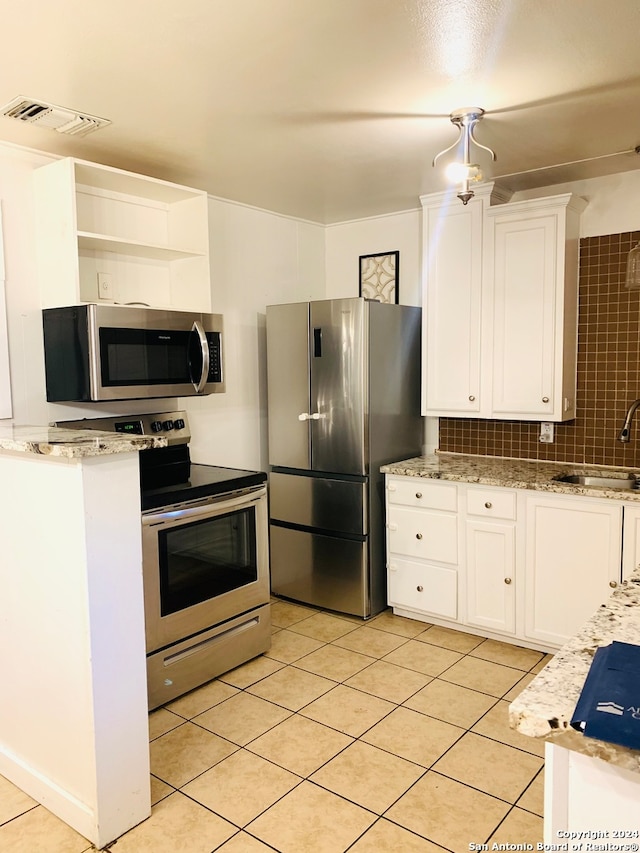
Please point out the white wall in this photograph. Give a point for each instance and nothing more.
(257, 259)
(613, 202)
(346, 241)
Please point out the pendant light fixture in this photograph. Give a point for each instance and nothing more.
(462, 170)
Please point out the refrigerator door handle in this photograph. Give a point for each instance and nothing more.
(317, 342)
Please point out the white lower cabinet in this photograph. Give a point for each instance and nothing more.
(490, 550)
(573, 557)
(523, 566)
(630, 540)
(423, 587)
(422, 541)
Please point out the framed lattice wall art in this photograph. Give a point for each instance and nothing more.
(379, 276)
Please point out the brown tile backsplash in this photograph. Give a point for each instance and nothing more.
(608, 374)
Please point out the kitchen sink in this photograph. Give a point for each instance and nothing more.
(603, 481)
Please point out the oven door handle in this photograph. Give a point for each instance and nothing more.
(198, 328)
(204, 507)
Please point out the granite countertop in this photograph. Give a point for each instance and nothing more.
(546, 705)
(511, 473)
(72, 443)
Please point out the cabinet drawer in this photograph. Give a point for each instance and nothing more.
(492, 503)
(418, 586)
(423, 533)
(421, 491)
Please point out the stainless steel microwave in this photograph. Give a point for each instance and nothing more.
(108, 352)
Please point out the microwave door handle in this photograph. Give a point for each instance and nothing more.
(198, 328)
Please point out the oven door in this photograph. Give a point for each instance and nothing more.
(204, 562)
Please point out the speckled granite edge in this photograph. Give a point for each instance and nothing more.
(510, 473)
(72, 444)
(546, 705)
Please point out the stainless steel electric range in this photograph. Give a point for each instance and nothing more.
(205, 559)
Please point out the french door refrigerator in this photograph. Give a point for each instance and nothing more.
(343, 399)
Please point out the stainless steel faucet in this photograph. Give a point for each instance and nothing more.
(625, 432)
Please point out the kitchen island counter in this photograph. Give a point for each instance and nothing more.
(73, 721)
(545, 707)
(591, 786)
(72, 443)
(511, 473)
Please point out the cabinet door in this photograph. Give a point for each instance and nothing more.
(573, 556)
(530, 293)
(523, 254)
(288, 381)
(451, 315)
(491, 575)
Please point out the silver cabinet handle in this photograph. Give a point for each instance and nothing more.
(304, 416)
(471, 398)
(419, 588)
(418, 495)
(507, 581)
(488, 504)
(418, 535)
(545, 399)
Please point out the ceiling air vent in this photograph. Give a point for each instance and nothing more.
(56, 118)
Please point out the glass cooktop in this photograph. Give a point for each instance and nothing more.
(203, 481)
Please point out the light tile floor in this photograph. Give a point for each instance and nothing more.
(385, 736)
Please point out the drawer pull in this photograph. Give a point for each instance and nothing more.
(418, 495)
(507, 581)
(419, 588)
(613, 584)
(488, 504)
(545, 399)
(471, 398)
(418, 535)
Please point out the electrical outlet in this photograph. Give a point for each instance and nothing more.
(546, 432)
(105, 286)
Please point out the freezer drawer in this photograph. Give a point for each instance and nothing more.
(324, 571)
(321, 502)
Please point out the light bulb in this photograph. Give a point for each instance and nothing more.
(458, 172)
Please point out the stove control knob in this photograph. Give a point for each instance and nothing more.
(179, 423)
(156, 426)
(168, 425)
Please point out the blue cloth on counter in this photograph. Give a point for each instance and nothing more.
(609, 705)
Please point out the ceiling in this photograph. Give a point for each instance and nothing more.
(333, 110)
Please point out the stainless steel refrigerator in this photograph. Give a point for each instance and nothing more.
(344, 399)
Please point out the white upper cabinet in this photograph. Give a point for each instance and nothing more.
(452, 284)
(106, 235)
(500, 298)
